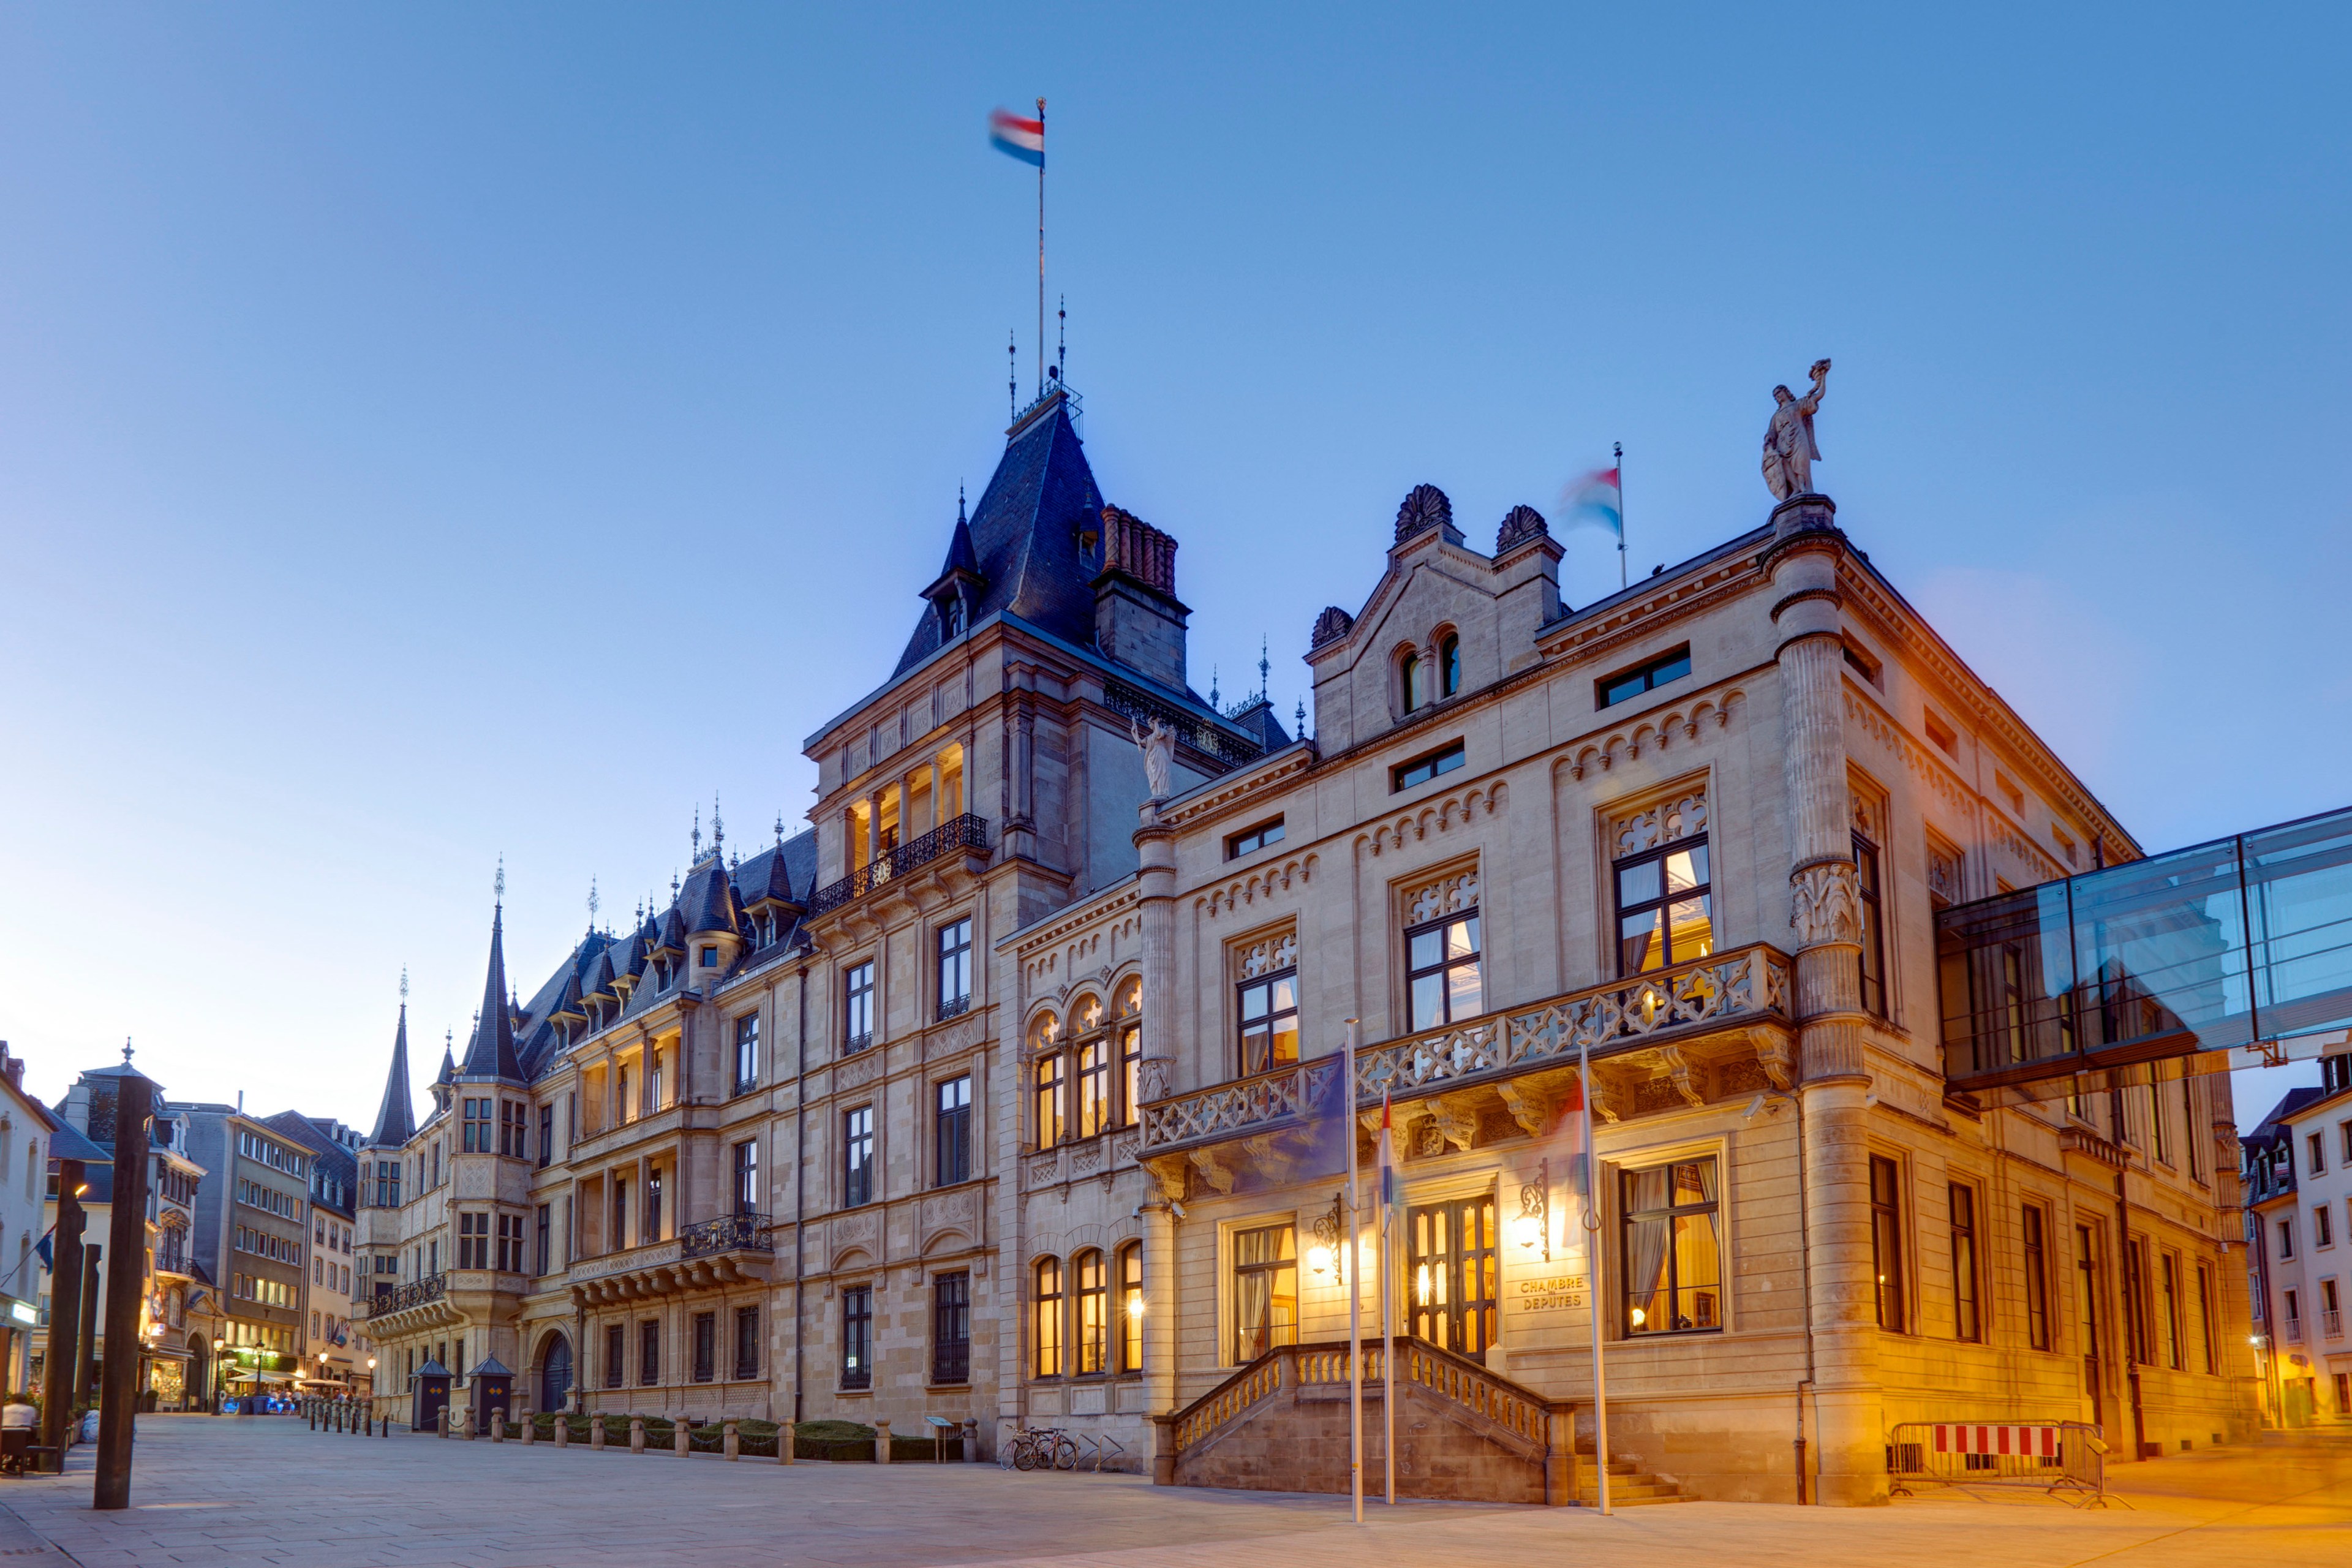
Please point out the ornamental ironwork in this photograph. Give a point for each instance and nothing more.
(952, 837)
(429, 1289)
(728, 1233)
(1195, 732)
(1749, 986)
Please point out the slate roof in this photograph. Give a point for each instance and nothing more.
(395, 1122)
(492, 1053)
(70, 1143)
(1024, 536)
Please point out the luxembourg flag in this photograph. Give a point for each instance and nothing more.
(1017, 138)
(1387, 1166)
(1597, 498)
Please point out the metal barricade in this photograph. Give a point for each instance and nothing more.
(2065, 1458)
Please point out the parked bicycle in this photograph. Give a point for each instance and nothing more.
(1038, 1448)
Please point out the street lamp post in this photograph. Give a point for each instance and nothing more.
(220, 1373)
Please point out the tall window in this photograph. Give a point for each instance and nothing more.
(1874, 938)
(1663, 907)
(747, 1342)
(1266, 1290)
(1131, 1053)
(857, 1337)
(476, 1131)
(747, 1051)
(1886, 1240)
(858, 1156)
(1966, 1323)
(541, 1242)
(615, 1355)
(951, 1328)
(2188, 1128)
(2037, 1280)
(514, 1128)
(955, 967)
(705, 1346)
(387, 1183)
(857, 1007)
(473, 1241)
(1094, 1313)
(1413, 679)
(1449, 665)
(653, 1228)
(1669, 1257)
(511, 1243)
(2206, 1327)
(1046, 1317)
(1051, 1093)
(546, 1134)
(1130, 1307)
(1093, 1086)
(1269, 1021)
(747, 1177)
(620, 1213)
(1442, 971)
(2169, 1322)
(649, 1351)
(951, 1132)
(2323, 1226)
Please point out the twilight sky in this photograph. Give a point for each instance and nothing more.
(435, 431)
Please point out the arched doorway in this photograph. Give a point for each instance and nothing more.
(200, 1373)
(555, 1373)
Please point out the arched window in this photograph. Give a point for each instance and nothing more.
(1130, 1051)
(1048, 1316)
(1094, 1314)
(1449, 665)
(1050, 1090)
(1091, 1068)
(1130, 1307)
(1414, 679)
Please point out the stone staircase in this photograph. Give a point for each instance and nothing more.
(1629, 1485)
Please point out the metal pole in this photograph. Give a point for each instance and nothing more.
(1355, 1284)
(85, 1347)
(1041, 247)
(65, 1311)
(1593, 1278)
(117, 1409)
(1388, 1329)
(1620, 516)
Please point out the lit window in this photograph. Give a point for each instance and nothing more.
(1051, 1094)
(1266, 1290)
(1663, 907)
(1966, 1322)
(1671, 1264)
(1873, 939)
(1130, 1307)
(1886, 1240)
(1046, 1315)
(1094, 1314)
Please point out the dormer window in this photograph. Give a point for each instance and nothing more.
(950, 615)
(710, 955)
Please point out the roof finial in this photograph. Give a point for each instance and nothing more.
(126, 1050)
(717, 827)
(1263, 668)
(1012, 380)
(500, 885)
(1061, 340)
(591, 902)
(960, 517)
(1212, 686)
(1299, 731)
(673, 884)
(697, 835)
(780, 830)
(403, 985)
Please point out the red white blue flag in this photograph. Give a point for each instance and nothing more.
(1598, 499)
(1387, 1158)
(1017, 138)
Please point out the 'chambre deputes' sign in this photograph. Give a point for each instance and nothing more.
(1551, 1293)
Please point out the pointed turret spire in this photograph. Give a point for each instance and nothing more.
(717, 827)
(492, 1052)
(448, 1056)
(393, 1123)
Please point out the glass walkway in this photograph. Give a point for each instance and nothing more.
(2228, 954)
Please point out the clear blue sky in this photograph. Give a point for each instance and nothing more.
(430, 432)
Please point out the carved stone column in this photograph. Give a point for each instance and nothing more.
(1825, 924)
(1160, 1328)
(1156, 911)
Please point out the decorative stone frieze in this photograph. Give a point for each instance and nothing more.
(1266, 957)
(1278, 876)
(1450, 894)
(1440, 816)
(1683, 816)
(1658, 732)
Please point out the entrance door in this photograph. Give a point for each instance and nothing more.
(555, 1374)
(2090, 1298)
(1454, 1284)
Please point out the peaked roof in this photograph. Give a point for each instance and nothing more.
(708, 899)
(1024, 536)
(395, 1125)
(492, 1052)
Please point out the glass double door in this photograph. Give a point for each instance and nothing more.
(1452, 1275)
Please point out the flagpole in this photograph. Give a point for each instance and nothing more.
(1592, 1276)
(1355, 1285)
(1041, 248)
(1388, 1304)
(1620, 463)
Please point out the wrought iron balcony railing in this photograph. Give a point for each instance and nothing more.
(952, 837)
(429, 1289)
(1747, 985)
(728, 1233)
(1195, 732)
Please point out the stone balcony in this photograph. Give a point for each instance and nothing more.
(1716, 1025)
(731, 1249)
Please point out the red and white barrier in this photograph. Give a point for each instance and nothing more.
(1971, 1437)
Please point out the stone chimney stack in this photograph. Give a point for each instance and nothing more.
(1138, 621)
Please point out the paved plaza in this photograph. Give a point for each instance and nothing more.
(269, 1490)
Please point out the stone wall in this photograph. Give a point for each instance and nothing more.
(1297, 1442)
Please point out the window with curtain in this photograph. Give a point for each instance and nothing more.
(1669, 1256)
(1266, 1290)
(1443, 971)
(1966, 1318)
(1046, 1317)
(1051, 1093)
(1886, 1240)
(1129, 1069)
(1269, 1022)
(1665, 906)
(1093, 1086)
(1130, 1307)
(1094, 1313)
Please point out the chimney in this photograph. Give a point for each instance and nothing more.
(1138, 621)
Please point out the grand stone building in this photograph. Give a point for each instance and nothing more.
(991, 1095)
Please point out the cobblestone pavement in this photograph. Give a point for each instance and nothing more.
(269, 1490)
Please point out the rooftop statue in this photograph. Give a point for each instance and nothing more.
(1158, 747)
(1790, 452)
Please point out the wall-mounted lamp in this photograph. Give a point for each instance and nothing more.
(1329, 1229)
(1533, 1227)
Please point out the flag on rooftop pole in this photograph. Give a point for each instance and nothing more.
(1014, 137)
(1598, 499)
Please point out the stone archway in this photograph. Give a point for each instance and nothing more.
(554, 1374)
